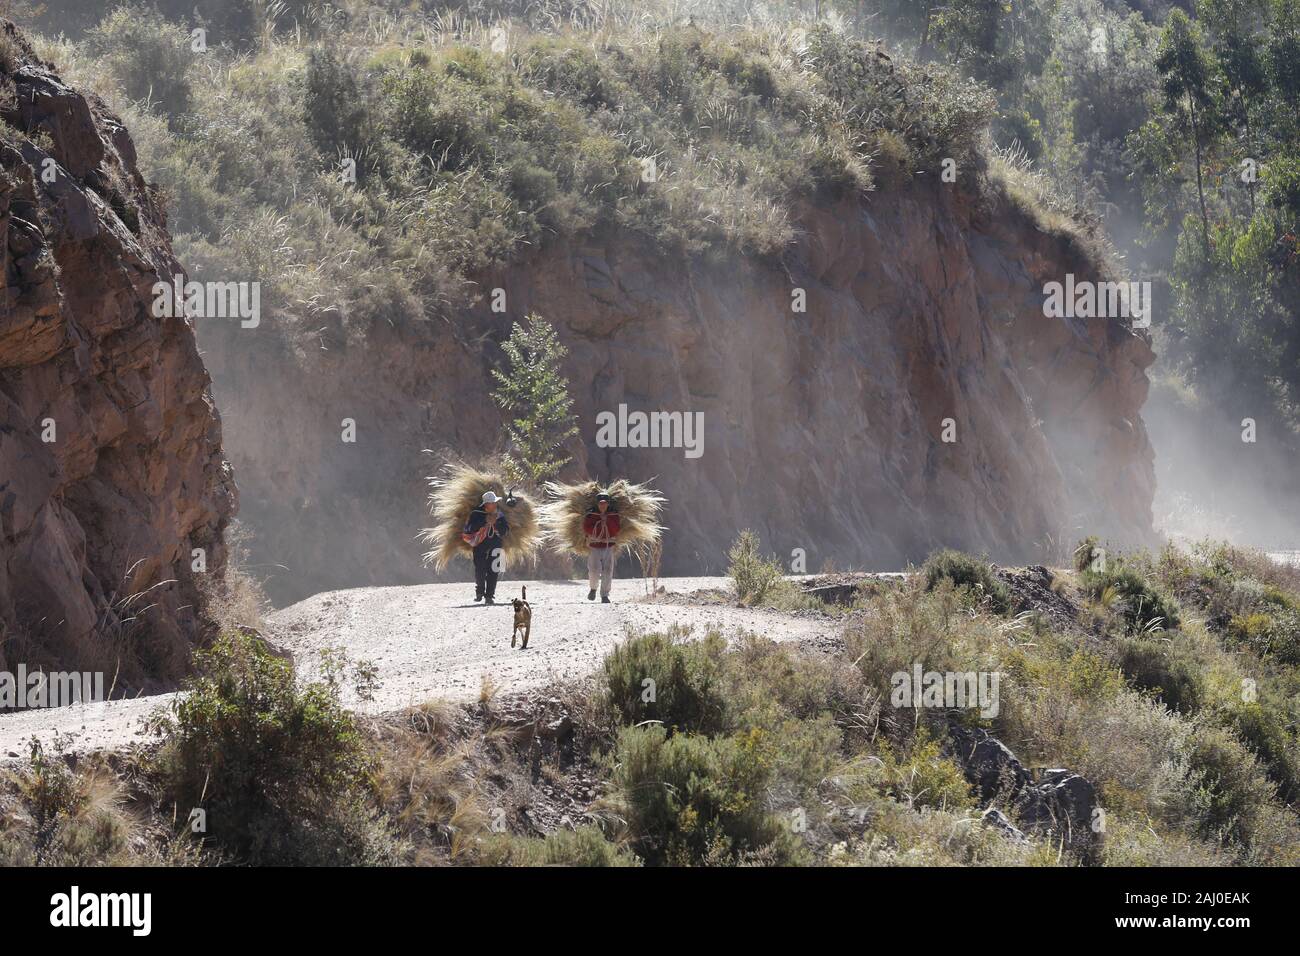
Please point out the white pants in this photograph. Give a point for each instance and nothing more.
(600, 567)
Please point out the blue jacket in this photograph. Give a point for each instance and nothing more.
(478, 533)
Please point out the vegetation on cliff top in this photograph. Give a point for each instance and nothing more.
(472, 141)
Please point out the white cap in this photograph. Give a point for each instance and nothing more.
(489, 497)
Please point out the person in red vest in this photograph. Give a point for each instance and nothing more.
(601, 526)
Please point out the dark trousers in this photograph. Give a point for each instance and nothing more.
(485, 577)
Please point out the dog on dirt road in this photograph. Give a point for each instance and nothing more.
(523, 618)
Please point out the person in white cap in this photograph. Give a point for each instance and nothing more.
(485, 531)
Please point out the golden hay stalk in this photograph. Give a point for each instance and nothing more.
(458, 491)
(638, 508)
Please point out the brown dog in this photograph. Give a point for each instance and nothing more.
(523, 619)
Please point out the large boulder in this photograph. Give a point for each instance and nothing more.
(1062, 802)
(1059, 803)
(989, 765)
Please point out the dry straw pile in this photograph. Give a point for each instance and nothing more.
(638, 507)
(456, 492)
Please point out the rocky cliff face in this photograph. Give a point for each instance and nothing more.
(823, 430)
(111, 470)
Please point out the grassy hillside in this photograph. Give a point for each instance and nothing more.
(474, 139)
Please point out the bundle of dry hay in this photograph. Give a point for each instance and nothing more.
(457, 491)
(638, 508)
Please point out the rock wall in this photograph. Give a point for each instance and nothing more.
(823, 430)
(111, 468)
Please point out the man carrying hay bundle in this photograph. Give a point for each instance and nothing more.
(601, 526)
(485, 532)
(467, 505)
(599, 522)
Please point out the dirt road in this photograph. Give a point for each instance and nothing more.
(431, 641)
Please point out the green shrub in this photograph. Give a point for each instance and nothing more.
(765, 680)
(900, 836)
(1263, 730)
(688, 799)
(336, 105)
(969, 574)
(1142, 606)
(754, 576)
(570, 69)
(1155, 666)
(892, 164)
(1133, 842)
(1270, 634)
(1243, 593)
(586, 846)
(911, 624)
(280, 769)
(1228, 788)
(661, 678)
(921, 776)
(442, 116)
(149, 57)
(943, 113)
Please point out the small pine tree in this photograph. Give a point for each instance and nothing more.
(535, 397)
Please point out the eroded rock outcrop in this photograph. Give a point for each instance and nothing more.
(111, 469)
(823, 430)
(1059, 803)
